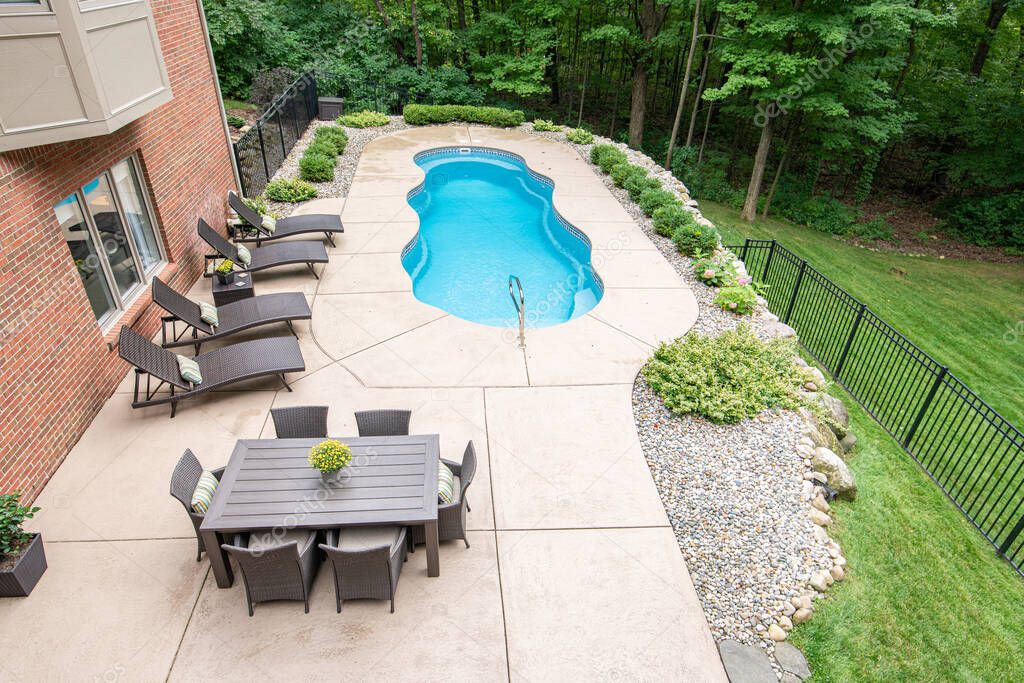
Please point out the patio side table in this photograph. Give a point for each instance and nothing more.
(269, 484)
(236, 290)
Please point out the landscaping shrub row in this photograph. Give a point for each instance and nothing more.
(318, 161)
(364, 119)
(422, 114)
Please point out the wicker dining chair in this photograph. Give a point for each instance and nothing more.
(451, 517)
(183, 485)
(276, 567)
(366, 561)
(383, 422)
(300, 422)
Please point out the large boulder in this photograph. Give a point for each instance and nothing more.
(839, 476)
(839, 416)
(819, 433)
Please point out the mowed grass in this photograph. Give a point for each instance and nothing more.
(967, 315)
(926, 598)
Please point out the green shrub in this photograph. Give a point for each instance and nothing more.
(717, 270)
(423, 114)
(875, 229)
(738, 299)
(235, 121)
(651, 200)
(322, 147)
(725, 378)
(12, 516)
(671, 217)
(545, 125)
(258, 205)
(989, 221)
(638, 183)
(695, 239)
(316, 167)
(607, 156)
(622, 172)
(289, 191)
(334, 136)
(364, 119)
(580, 136)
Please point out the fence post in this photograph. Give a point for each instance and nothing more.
(924, 406)
(1014, 533)
(746, 247)
(280, 130)
(238, 165)
(263, 150)
(849, 341)
(796, 290)
(768, 262)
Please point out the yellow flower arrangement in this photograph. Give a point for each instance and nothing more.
(330, 456)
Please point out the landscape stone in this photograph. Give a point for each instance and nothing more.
(792, 660)
(837, 573)
(776, 633)
(819, 502)
(819, 434)
(848, 442)
(786, 623)
(837, 412)
(745, 663)
(779, 330)
(839, 476)
(820, 518)
(802, 615)
(819, 582)
(789, 678)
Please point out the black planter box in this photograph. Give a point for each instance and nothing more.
(19, 581)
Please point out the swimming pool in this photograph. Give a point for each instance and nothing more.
(486, 216)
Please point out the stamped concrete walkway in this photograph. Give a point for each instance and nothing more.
(573, 573)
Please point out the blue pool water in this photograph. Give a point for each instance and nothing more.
(484, 217)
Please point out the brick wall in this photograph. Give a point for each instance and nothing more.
(56, 366)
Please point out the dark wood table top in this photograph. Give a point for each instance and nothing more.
(269, 483)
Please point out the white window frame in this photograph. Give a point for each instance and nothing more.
(122, 302)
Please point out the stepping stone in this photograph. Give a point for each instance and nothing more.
(746, 663)
(792, 660)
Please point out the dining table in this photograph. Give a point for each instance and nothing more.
(268, 484)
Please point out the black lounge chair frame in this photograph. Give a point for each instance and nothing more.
(271, 256)
(253, 230)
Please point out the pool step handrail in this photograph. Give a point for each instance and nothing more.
(520, 304)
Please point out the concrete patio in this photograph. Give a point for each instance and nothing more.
(573, 571)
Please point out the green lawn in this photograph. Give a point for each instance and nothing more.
(230, 103)
(926, 598)
(968, 315)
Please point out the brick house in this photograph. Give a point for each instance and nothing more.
(112, 146)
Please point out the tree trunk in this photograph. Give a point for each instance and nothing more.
(781, 167)
(416, 33)
(649, 18)
(396, 44)
(995, 15)
(760, 160)
(709, 43)
(686, 84)
(476, 11)
(704, 137)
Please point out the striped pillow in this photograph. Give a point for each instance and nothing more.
(445, 484)
(203, 495)
(243, 254)
(189, 370)
(208, 314)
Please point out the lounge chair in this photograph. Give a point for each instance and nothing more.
(271, 256)
(383, 422)
(219, 368)
(234, 317)
(253, 230)
(300, 422)
(276, 566)
(183, 484)
(366, 561)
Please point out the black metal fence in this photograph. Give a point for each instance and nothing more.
(973, 453)
(262, 149)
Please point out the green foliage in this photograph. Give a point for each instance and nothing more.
(235, 121)
(330, 456)
(12, 516)
(653, 199)
(258, 205)
(269, 84)
(580, 136)
(364, 119)
(623, 171)
(607, 156)
(423, 114)
(638, 183)
(995, 220)
(290, 191)
(725, 378)
(316, 167)
(332, 135)
(824, 214)
(696, 239)
(738, 299)
(717, 270)
(670, 218)
(543, 125)
(322, 147)
(875, 229)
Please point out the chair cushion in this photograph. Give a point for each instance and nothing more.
(189, 369)
(269, 224)
(203, 495)
(446, 491)
(244, 256)
(268, 539)
(358, 538)
(208, 314)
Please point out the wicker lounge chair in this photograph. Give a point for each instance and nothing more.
(253, 230)
(220, 367)
(383, 422)
(234, 317)
(451, 517)
(300, 422)
(276, 566)
(183, 484)
(271, 256)
(366, 561)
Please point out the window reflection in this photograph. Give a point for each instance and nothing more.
(100, 201)
(83, 251)
(129, 191)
